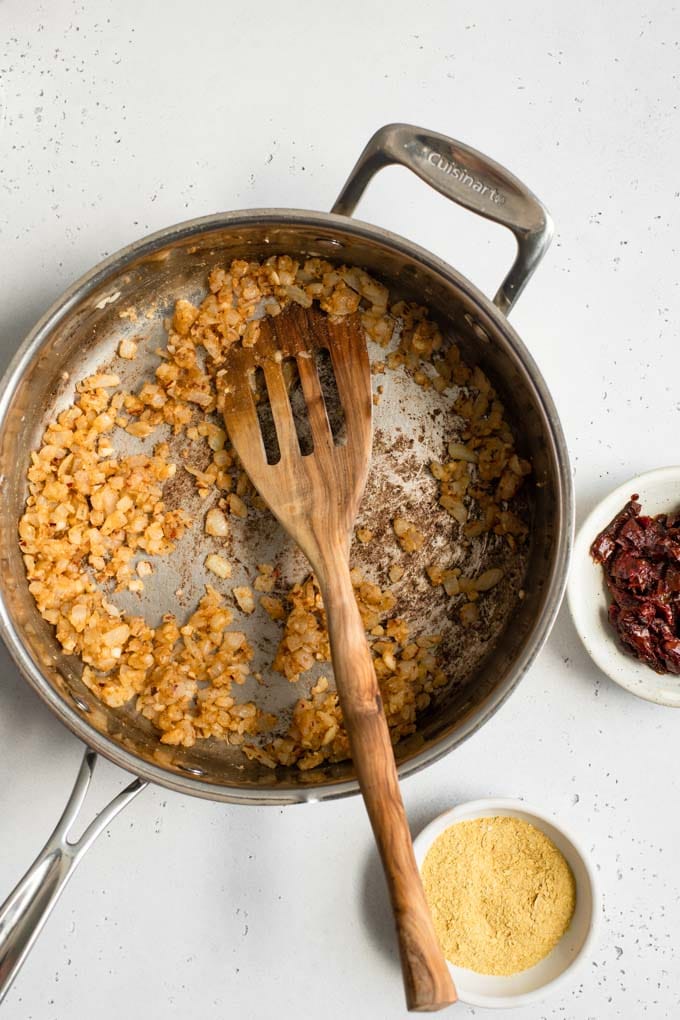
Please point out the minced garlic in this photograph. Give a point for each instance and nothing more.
(92, 510)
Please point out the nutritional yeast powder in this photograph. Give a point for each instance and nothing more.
(501, 894)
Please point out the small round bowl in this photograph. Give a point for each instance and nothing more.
(534, 984)
(589, 600)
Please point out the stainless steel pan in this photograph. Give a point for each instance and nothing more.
(82, 329)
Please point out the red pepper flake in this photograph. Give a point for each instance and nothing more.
(641, 561)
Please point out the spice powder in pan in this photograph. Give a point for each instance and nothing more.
(501, 894)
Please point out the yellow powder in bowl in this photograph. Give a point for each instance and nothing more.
(501, 894)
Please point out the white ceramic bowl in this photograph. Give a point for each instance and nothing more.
(659, 492)
(545, 977)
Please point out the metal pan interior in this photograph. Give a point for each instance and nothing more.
(412, 427)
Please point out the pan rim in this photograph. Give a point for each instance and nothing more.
(564, 501)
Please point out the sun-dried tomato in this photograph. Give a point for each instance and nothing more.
(641, 561)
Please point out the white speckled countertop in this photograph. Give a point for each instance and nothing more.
(120, 118)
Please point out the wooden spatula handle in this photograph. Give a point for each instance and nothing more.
(427, 980)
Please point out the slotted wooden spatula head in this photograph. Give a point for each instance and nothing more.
(315, 496)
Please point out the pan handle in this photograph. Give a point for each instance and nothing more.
(26, 909)
(468, 178)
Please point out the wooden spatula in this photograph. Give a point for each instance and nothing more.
(316, 498)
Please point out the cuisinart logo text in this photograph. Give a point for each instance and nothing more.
(460, 173)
